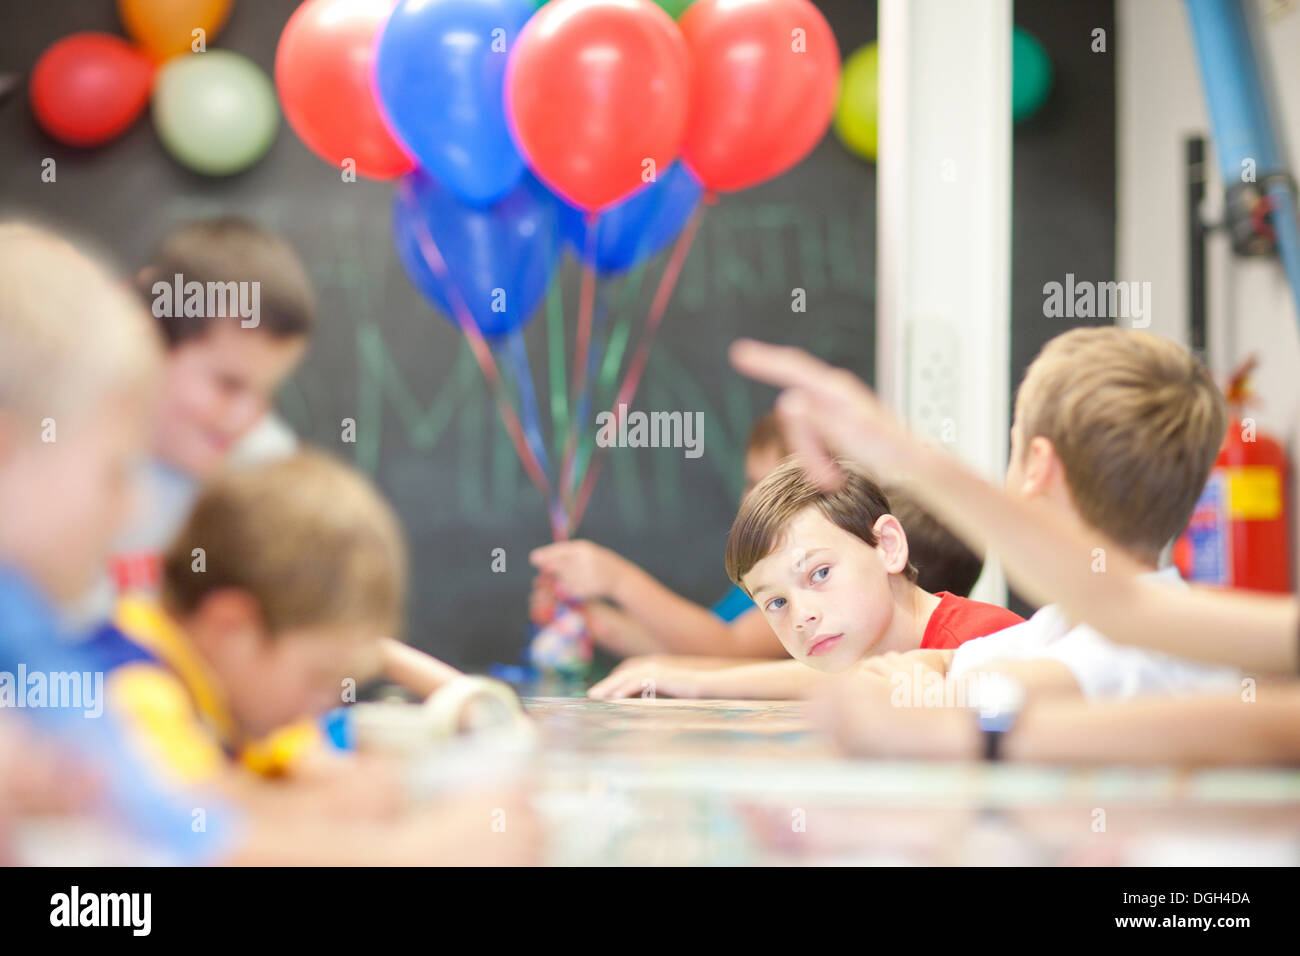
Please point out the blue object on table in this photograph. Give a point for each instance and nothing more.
(735, 603)
(336, 725)
(514, 674)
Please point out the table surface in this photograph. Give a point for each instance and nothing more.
(750, 782)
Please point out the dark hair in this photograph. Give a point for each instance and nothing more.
(943, 562)
(225, 250)
(766, 511)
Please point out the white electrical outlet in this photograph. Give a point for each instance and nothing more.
(933, 370)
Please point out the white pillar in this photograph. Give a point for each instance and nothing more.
(943, 228)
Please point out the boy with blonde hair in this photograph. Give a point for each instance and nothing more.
(78, 367)
(1116, 430)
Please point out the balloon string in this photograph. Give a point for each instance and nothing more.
(483, 355)
(518, 351)
(581, 348)
(581, 434)
(556, 376)
(523, 373)
(667, 282)
(611, 362)
(611, 356)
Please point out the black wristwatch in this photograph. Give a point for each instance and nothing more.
(997, 700)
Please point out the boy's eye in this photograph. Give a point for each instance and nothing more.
(775, 604)
(821, 573)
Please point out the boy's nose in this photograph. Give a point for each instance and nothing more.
(805, 616)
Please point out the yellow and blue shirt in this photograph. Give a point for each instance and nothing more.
(175, 706)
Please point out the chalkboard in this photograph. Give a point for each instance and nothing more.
(426, 429)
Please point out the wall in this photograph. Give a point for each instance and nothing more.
(1160, 102)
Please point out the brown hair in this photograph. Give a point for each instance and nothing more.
(767, 510)
(942, 560)
(309, 538)
(766, 433)
(225, 250)
(1136, 422)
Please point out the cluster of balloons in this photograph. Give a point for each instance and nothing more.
(215, 112)
(518, 126)
(856, 107)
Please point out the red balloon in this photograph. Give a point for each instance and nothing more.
(89, 87)
(594, 88)
(322, 72)
(766, 76)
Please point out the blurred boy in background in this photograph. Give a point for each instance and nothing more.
(222, 370)
(227, 353)
(275, 598)
(78, 369)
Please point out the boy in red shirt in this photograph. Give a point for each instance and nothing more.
(830, 573)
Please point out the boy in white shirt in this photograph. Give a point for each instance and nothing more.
(1115, 430)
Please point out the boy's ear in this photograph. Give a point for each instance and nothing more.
(1042, 468)
(891, 543)
(229, 614)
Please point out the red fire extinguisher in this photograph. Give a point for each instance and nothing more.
(1239, 533)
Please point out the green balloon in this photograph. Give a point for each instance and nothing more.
(674, 8)
(215, 112)
(1031, 75)
(856, 108)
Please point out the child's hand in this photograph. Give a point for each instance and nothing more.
(542, 600)
(651, 677)
(859, 713)
(825, 411)
(580, 569)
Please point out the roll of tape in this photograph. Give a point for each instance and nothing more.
(390, 727)
(470, 704)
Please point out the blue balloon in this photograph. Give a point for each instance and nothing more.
(641, 225)
(440, 74)
(500, 258)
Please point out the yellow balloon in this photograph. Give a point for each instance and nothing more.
(165, 28)
(856, 108)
